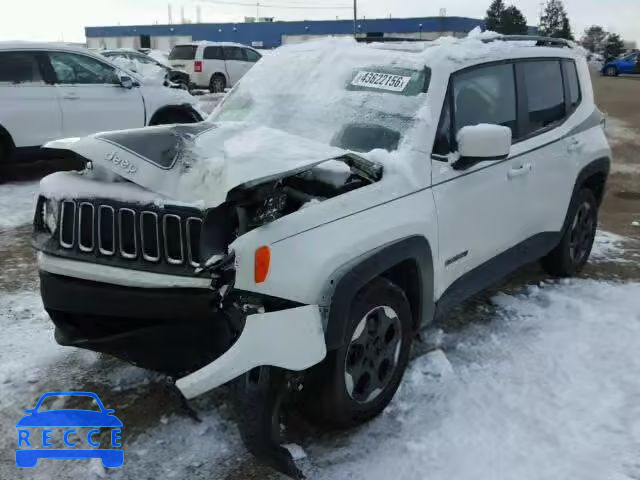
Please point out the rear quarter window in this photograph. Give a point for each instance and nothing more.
(545, 93)
(19, 67)
(573, 83)
(183, 52)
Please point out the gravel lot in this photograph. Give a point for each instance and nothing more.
(536, 379)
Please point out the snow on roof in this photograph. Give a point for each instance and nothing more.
(215, 44)
(477, 47)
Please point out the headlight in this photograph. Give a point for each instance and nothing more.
(50, 215)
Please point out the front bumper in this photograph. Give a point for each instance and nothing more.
(180, 330)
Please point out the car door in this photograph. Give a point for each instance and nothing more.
(480, 208)
(627, 64)
(29, 107)
(91, 96)
(237, 63)
(549, 143)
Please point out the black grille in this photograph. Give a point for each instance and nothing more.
(153, 236)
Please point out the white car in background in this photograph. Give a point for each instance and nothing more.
(50, 91)
(214, 65)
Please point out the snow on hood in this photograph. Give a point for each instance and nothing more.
(200, 163)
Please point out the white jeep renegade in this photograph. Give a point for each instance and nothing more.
(342, 197)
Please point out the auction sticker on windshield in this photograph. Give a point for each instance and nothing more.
(382, 81)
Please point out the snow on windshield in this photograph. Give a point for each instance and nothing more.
(334, 92)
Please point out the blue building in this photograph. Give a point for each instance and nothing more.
(274, 34)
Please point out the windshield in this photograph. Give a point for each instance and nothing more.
(354, 97)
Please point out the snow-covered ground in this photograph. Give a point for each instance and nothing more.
(17, 202)
(539, 384)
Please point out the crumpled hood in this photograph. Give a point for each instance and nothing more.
(200, 162)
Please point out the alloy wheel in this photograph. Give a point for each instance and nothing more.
(373, 353)
(582, 231)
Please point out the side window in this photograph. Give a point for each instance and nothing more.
(19, 67)
(545, 93)
(485, 95)
(71, 68)
(234, 53)
(213, 53)
(252, 56)
(572, 82)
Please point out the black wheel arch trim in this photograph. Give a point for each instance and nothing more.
(185, 107)
(599, 166)
(348, 280)
(6, 140)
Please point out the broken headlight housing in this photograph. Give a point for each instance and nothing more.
(271, 208)
(50, 215)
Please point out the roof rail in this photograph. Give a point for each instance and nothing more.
(540, 41)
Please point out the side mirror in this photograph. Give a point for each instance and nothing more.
(482, 143)
(126, 81)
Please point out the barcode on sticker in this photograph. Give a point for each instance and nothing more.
(382, 81)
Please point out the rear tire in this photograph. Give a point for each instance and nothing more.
(217, 84)
(572, 253)
(357, 381)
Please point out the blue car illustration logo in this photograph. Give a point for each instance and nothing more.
(32, 447)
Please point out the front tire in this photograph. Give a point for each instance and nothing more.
(357, 381)
(611, 72)
(572, 253)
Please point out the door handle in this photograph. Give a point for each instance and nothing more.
(519, 171)
(575, 145)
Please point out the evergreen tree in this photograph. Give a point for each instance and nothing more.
(594, 38)
(494, 15)
(513, 22)
(566, 32)
(613, 47)
(554, 21)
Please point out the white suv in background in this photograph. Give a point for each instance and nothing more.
(215, 66)
(50, 91)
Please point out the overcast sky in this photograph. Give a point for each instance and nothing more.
(65, 19)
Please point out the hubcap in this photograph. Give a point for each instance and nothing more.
(373, 353)
(581, 234)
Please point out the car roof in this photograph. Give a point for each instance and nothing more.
(18, 45)
(446, 54)
(59, 47)
(213, 44)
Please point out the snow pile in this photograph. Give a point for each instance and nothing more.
(17, 203)
(548, 391)
(26, 345)
(609, 247)
(159, 56)
(147, 71)
(209, 101)
(71, 185)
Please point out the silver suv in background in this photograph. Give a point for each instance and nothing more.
(215, 66)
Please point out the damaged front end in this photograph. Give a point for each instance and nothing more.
(130, 268)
